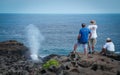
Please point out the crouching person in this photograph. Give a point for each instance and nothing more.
(108, 48)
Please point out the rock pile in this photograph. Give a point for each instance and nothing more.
(78, 64)
(14, 62)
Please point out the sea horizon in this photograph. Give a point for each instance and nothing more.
(55, 13)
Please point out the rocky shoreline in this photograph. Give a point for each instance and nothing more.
(14, 60)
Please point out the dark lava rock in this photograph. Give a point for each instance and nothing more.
(115, 56)
(85, 64)
(118, 72)
(50, 56)
(12, 47)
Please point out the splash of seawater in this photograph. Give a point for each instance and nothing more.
(34, 38)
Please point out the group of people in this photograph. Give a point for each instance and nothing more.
(87, 37)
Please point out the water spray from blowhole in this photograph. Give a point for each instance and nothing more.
(34, 39)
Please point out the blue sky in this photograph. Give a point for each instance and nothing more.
(60, 6)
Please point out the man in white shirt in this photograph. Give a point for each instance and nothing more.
(92, 41)
(108, 48)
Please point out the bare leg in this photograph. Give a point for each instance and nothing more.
(85, 52)
(93, 49)
(75, 47)
(89, 47)
(93, 44)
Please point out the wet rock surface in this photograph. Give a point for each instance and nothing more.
(14, 62)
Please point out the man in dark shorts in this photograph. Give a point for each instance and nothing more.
(83, 37)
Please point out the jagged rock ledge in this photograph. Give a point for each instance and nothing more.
(14, 62)
(78, 64)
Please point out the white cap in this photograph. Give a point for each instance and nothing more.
(108, 39)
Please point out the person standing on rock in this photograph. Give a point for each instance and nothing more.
(83, 37)
(108, 48)
(92, 41)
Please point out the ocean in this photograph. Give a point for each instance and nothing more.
(59, 30)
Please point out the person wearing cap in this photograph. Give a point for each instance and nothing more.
(108, 48)
(92, 41)
(83, 36)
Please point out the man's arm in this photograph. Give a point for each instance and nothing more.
(78, 37)
(90, 35)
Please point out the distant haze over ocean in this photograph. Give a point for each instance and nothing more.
(59, 30)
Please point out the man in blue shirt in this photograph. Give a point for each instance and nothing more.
(83, 37)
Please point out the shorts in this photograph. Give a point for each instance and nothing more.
(85, 45)
(109, 52)
(92, 41)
